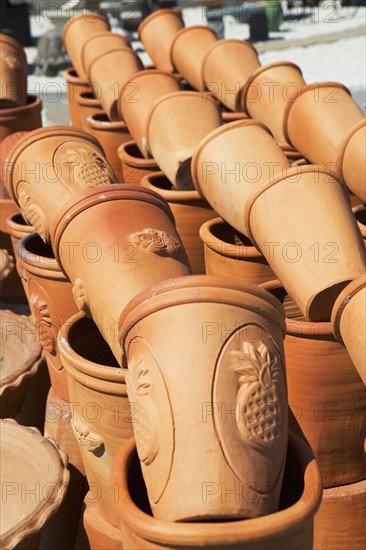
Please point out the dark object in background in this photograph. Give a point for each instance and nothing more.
(252, 13)
(52, 56)
(14, 21)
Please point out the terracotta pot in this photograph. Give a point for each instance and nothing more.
(349, 318)
(318, 118)
(360, 215)
(14, 70)
(351, 160)
(51, 301)
(50, 165)
(339, 520)
(18, 228)
(34, 464)
(110, 135)
(190, 212)
(268, 91)
(134, 165)
(21, 358)
(290, 528)
(192, 118)
(6, 265)
(225, 69)
(77, 31)
(75, 85)
(24, 118)
(109, 73)
(225, 348)
(231, 254)
(100, 533)
(228, 116)
(133, 245)
(157, 32)
(242, 151)
(101, 417)
(137, 97)
(99, 44)
(188, 50)
(325, 395)
(88, 105)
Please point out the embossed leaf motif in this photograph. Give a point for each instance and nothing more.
(33, 214)
(47, 332)
(156, 241)
(88, 167)
(259, 375)
(91, 441)
(139, 387)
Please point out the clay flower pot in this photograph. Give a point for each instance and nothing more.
(99, 44)
(133, 245)
(50, 165)
(327, 126)
(13, 70)
(291, 528)
(225, 69)
(77, 31)
(338, 522)
(268, 91)
(24, 118)
(6, 265)
(230, 254)
(110, 135)
(188, 50)
(88, 105)
(351, 160)
(349, 318)
(192, 118)
(75, 85)
(332, 420)
(238, 368)
(231, 163)
(102, 417)
(157, 32)
(137, 97)
(21, 358)
(133, 164)
(109, 72)
(35, 463)
(360, 215)
(100, 533)
(18, 228)
(190, 212)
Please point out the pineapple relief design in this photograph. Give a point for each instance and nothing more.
(258, 393)
(138, 386)
(33, 213)
(46, 330)
(156, 241)
(86, 167)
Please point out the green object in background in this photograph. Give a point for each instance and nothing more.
(273, 9)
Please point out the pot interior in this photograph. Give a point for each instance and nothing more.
(291, 309)
(132, 150)
(86, 340)
(224, 232)
(19, 219)
(361, 216)
(35, 245)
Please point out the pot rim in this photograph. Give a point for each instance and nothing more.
(135, 162)
(355, 286)
(70, 22)
(296, 96)
(197, 534)
(105, 124)
(170, 195)
(212, 136)
(33, 103)
(75, 80)
(168, 97)
(18, 228)
(156, 14)
(96, 196)
(30, 366)
(36, 261)
(344, 144)
(35, 136)
(96, 36)
(257, 72)
(186, 30)
(123, 49)
(34, 521)
(136, 76)
(84, 102)
(96, 372)
(303, 327)
(236, 252)
(198, 289)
